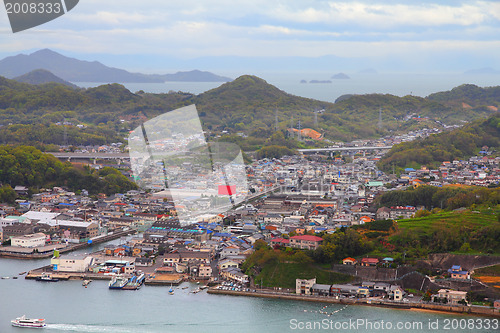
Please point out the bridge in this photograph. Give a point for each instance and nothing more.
(329, 149)
(68, 156)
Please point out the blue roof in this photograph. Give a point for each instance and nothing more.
(456, 267)
(222, 234)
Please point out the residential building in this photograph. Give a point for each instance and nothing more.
(456, 272)
(304, 287)
(452, 297)
(349, 261)
(306, 242)
(369, 262)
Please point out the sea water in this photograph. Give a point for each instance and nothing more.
(67, 306)
(396, 84)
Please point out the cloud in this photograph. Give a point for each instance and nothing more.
(380, 15)
(309, 28)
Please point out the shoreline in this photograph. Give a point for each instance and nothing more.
(425, 307)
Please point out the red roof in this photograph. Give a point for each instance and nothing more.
(280, 240)
(349, 258)
(369, 260)
(308, 238)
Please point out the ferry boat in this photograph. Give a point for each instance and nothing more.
(46, 277)
(26, 322)
(135, 282)
(118, 282)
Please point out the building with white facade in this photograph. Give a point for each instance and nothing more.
(33, 240)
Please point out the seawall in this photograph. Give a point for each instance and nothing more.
(472, 310)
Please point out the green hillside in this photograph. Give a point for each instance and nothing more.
(465, 232)
(460, 143)
(247, 106)
(476, 97)
(28, 166)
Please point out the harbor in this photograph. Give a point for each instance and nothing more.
(215, 311)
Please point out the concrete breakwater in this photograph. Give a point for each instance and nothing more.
(472, 310)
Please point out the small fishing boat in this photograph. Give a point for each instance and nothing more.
(171, 291)
(26, 322)
(86, 282)
(46, 277)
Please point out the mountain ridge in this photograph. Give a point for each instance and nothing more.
(75, 70)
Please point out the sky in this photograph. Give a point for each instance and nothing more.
(401, 35)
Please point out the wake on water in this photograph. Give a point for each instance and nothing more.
(88, 328)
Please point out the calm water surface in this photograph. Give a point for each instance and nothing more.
(395, 84)
(68, 306)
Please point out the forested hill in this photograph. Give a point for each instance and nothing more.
(27, 166)
(248, 105)
(460, 143)
(471, 95)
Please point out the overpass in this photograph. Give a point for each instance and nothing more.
(68, 156)
(329, 149)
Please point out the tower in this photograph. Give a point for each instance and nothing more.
(380, 118)
(276, 120)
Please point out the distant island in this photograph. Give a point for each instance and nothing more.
(340, 76)
(42, 76)
(74, 70)
(320, 81)
(482, 71)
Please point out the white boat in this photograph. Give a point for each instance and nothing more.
(26, 322)
(118, 282)
(86, 282)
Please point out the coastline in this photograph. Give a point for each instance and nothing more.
(426, 307)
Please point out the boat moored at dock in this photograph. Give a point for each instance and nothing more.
(135, 282)
(46, 277)
(118, 282)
